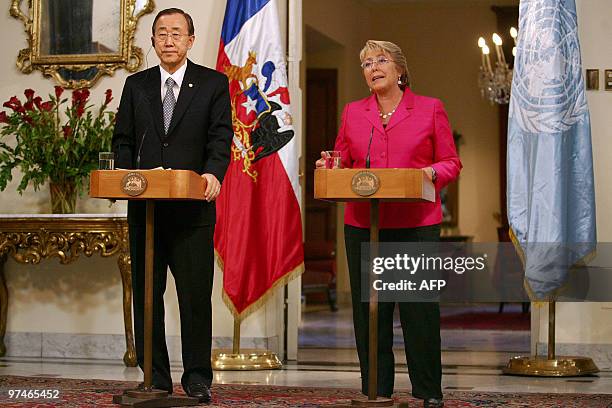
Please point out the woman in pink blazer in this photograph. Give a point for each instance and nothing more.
(406, 131)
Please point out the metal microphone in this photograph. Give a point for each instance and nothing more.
(140, 148)
(369, 144)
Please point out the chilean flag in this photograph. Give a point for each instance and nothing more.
(258, 236)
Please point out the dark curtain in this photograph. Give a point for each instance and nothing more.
(70, 26)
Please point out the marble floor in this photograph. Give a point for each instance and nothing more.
(334, 363)
(322, 328)
(469, 371)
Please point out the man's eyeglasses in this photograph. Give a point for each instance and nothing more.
(162, 37)
(369, 63)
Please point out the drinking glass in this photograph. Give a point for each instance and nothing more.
(333, 159)
(106, 161)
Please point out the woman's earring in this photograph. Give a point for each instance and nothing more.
(399, 80)
(370, 90)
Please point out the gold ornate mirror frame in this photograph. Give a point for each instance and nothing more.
(90, 66)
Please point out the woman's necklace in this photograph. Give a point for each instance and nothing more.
(386, 115)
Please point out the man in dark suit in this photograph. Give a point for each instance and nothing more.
(176, 115)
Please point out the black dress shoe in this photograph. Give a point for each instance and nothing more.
(200, 391)
(433, 403)
(167, 388)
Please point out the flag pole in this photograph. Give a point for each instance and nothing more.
(551, 365)
(236, 341)
(247, 360)
(551, 330)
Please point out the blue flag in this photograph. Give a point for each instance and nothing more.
(551, 198)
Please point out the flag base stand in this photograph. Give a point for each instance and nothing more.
(561, 366)
(247, 360)
(551, 366)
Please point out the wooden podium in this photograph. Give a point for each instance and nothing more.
(373, 185)
(149, 185)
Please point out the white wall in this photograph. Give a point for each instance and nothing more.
(85, 297)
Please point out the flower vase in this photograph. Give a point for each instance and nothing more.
(63, 197)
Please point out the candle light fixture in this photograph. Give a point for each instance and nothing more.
(495, 81)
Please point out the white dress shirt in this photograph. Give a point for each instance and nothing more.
(178, 76)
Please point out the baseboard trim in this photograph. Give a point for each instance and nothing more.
(106, 346)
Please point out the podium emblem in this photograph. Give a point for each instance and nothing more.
(365, 183)
(133, 184)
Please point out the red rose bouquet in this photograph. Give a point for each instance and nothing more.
(55, 140)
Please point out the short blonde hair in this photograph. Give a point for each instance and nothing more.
(393, 51)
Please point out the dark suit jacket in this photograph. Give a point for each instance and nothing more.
(198, 139)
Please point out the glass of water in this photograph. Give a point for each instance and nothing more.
(333, 159)
(106, 161)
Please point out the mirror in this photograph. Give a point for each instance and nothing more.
(69, 30)
(78, 41)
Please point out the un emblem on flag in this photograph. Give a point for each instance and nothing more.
(548, 88)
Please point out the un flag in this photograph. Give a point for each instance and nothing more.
(551, 199)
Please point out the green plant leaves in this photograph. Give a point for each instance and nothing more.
(54, 141)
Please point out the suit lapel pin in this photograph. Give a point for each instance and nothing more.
(190, 85)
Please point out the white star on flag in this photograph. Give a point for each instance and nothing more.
(250, 105)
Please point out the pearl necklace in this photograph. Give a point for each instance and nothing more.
(386, 115)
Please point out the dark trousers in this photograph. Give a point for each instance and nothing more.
(189, 253)
(420, 321)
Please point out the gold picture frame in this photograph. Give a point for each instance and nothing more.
(53, 29)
